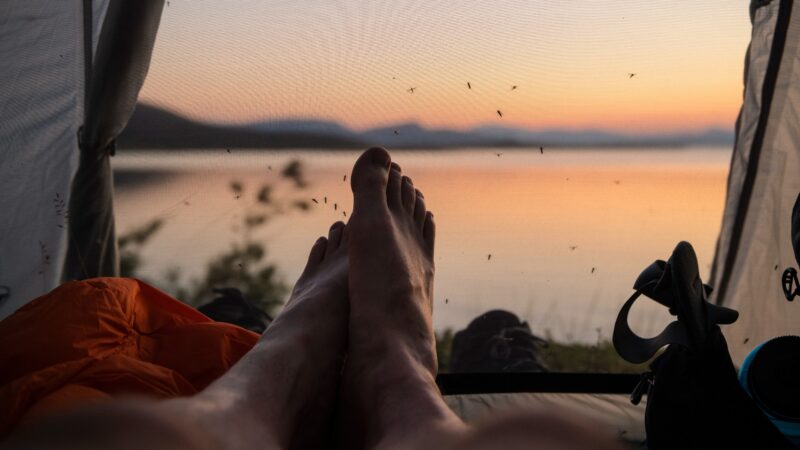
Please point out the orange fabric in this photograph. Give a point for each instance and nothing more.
(94, 339)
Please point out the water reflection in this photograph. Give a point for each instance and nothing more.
(568, 231)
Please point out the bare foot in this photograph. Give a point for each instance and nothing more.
(313, 327)
(391, 366)
(288, 383)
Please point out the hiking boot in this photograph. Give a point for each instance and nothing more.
(497, 341)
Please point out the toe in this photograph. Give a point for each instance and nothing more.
(429, 231)
(420, 210)
(393, 188)
(316, 255)
(409, 195)
(334, 238)
(369, 178)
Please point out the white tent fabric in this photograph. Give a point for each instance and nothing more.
(754, 245)
(42, 89)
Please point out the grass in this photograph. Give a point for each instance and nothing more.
(560, 356)
(577, 357)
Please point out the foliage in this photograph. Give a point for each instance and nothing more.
(243, 265)
(444, 345)
(130, 247)
(558, 356)
(578, 357)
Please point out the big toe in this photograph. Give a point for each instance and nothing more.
(369, 178)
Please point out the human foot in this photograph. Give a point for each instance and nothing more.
(313, 325)
(391, 365)
(287, 384)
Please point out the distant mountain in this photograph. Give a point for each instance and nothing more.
(600, 138)
(153, 127)
(307, 126)
(412, 135)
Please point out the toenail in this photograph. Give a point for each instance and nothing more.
(396, 167)
(380, 156)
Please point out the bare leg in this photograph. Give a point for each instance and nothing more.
(278, 396)
(392, 401)
(391, 365)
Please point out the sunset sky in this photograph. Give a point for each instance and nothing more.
(352, 61)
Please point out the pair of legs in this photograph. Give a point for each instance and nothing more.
(366, 293)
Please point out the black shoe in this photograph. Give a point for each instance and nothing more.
(496, 341)
(231, 307)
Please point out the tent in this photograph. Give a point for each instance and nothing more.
(754, 245)
(71, 75)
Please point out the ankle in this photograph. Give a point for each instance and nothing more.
(397, 370)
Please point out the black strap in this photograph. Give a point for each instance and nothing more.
(655, 282)
(790, 284)
(636, 349)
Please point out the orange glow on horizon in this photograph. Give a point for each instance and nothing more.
(353, 62)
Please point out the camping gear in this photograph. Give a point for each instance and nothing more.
(232, 307)
(496, 341)
(675, 284)
(791, 286)
(106, 337)
(71, 75)
(769, 375)
(694, 397)
(762, 184)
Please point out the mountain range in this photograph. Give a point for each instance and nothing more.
(152, 127)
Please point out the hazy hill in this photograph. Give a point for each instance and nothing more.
(600, 138)
(307, 126)
(155, 128)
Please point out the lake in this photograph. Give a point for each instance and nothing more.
(568, 230)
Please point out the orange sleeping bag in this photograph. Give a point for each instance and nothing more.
(94, 339)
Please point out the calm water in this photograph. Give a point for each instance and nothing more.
(568, 231)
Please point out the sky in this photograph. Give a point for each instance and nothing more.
(353, 61)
